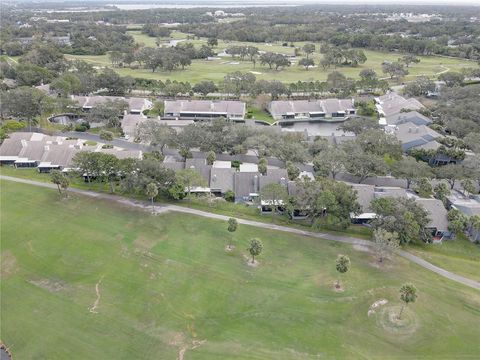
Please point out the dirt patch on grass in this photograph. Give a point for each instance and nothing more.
(253, 264)
(375, 305)
(387, 318)
(384, 265)
(337, 287)
(9, 264)
(146, 243)
(362, 248)
(229, 248)
(179, 340)
(50, 285)
(93, 308)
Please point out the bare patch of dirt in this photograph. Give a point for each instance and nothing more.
(253, 264)
(194, 344)
(375, 305)
(8, 265)
(49, 285)
(93, 308)
(384, 265)
(145, 242)
(338, 287)
(179, 340)
(229, 248)
(362, 248)
(387, 318)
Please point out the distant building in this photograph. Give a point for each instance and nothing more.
(413, 136)
(392, 104)
(36, 150)
(413, 117)
(136, 105)
(312, 110)
(204, 109)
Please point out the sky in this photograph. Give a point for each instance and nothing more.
(291, 2)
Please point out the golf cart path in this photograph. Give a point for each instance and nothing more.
(159, 209)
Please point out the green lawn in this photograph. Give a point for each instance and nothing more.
(460, 256)
(164, 286)
(260, 114)
(215, 70)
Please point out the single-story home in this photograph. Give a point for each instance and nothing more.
(438, 217)
(204, 109)
(136, 105)
(415, 136)
(392, 104)
(305, 110)
(468, 206)
(26, 149)
(367, 193)
(413, 117)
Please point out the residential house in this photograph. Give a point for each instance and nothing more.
(26, 149)
(135, 106)
(200, 166)
(437, 213)
(273, 176)
(413, 136)
(130, 123)
(312, 110)
(413, 117)
(204, 109)
(221, 180)
(468, 206)
(367, 193)
(392, 104)
(246, 186)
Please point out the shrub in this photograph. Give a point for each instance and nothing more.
(229, 196)
(236, 164)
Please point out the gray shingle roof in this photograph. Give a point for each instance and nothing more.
(130, 123)
(33, 150)
(436, 212)
(411, 135)
(10, 147)
(123, 154)
(230, 108)
(60, 155)
(327, 106)
(273, 176)
(222, 178)
(413, 117)
(365, 195)
(246, 183)
(195, 162)
(392, 103)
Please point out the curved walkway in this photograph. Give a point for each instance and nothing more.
(339, 238)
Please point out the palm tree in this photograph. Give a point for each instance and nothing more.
(151, 191)
(342, 265)
(408, 294)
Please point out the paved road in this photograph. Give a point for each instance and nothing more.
(167, 207)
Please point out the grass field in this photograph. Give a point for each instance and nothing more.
(460, 256)
(215, 70)
(86, 279)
